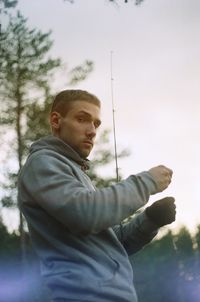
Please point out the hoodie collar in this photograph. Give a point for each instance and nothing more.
(56, 144)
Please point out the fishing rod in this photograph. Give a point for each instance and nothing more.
(113, 118)
(114, 133)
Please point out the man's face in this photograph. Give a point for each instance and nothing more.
(78, 128)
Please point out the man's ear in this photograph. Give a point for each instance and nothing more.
(55, 119)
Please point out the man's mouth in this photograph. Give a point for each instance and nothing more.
(88, 143)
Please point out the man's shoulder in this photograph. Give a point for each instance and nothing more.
(49, 154)
(46, 159)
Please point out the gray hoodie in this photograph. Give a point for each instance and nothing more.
(75, 227)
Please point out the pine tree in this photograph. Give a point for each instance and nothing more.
(24, 67)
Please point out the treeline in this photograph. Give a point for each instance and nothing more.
(20, 279)
(167, 270)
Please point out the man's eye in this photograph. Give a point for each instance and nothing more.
(96, 125)
(81, 119)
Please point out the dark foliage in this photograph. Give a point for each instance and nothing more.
(164, 271)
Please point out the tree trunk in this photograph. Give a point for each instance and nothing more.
(19, 109)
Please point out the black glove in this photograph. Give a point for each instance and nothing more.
(162, 211)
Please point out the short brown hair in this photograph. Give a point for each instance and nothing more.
(64, 99)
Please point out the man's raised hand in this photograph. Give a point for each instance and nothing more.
(162, 176)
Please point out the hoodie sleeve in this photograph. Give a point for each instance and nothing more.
(45, 181)
(136, 233)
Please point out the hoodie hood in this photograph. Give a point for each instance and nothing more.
(55, 144)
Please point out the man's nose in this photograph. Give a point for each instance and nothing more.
(91, 130)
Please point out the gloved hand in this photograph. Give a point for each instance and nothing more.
(162, 211)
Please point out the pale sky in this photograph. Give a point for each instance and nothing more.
(156, 71)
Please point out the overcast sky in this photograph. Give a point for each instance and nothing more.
(156, 71)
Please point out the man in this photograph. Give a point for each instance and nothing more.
(75, 228)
